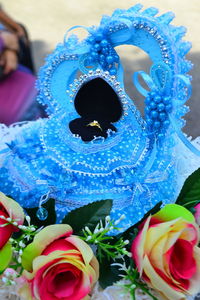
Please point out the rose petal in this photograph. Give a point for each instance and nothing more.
(61, 280)
(191, 233)
(66, 270)
(182, 285)
(155, 232)
(182, 252)
(194, 281)
(159, 284)
(45, 237)
(84, 248)
(5, 232)
(176, 233)
(156, 255)
(75, 243)
(13, 209)
(94, 276)
(171, 240)
(64, 283)
(197, 213)
(157, 249)
(137, 247)
(40, 280)
(60, 244)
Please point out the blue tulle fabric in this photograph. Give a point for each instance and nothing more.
(135, 166)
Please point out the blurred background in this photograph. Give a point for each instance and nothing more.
(48, 20)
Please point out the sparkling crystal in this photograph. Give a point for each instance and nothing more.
(42, 213)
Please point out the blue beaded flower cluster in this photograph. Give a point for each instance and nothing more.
(158, 107)
(102, 52)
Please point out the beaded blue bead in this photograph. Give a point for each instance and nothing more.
(91, 40)
(162, 116)
(153, 94)
(161, 136)
(99, 36)
(94, 54)
(147, 100)
(104, 43)
(110, 59)
(103, 63)
(113, 71)
(102, 57)
(157, 98)
(116, 58)
(105, 50)
(157, 124)
(149, 121)
(154, 114)
(97, 47)
(161, 107)
(166, 123)
(166, 100)
(147, 110)
(152, 104)
(168, 108)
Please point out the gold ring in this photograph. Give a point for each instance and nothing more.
(95, 124)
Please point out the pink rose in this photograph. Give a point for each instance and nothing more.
(197, 213)
(58, 266)
(8, 209)
(166, 252)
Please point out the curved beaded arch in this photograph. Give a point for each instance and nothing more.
(160, 40)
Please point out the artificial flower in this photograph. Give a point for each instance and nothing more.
(197, 213)
(10, 212)
(58, 265)
(166, 253)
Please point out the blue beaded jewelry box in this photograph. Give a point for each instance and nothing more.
(127, 158)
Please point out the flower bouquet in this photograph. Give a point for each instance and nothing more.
(81, 258)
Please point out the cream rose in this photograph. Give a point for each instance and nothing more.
(166, 253)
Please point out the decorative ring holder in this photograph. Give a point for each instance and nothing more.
(95, 144)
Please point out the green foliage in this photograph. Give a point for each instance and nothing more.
(6, 256)
(134, 282)
(190, 193)
(88, 215)
(108, 274)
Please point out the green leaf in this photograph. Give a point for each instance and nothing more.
(5, 256)
(108, 274)
(28, 256)
(51, 219)
(173, 211)
(88, 215)
(190, 193)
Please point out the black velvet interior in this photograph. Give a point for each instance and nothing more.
(96, 100)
